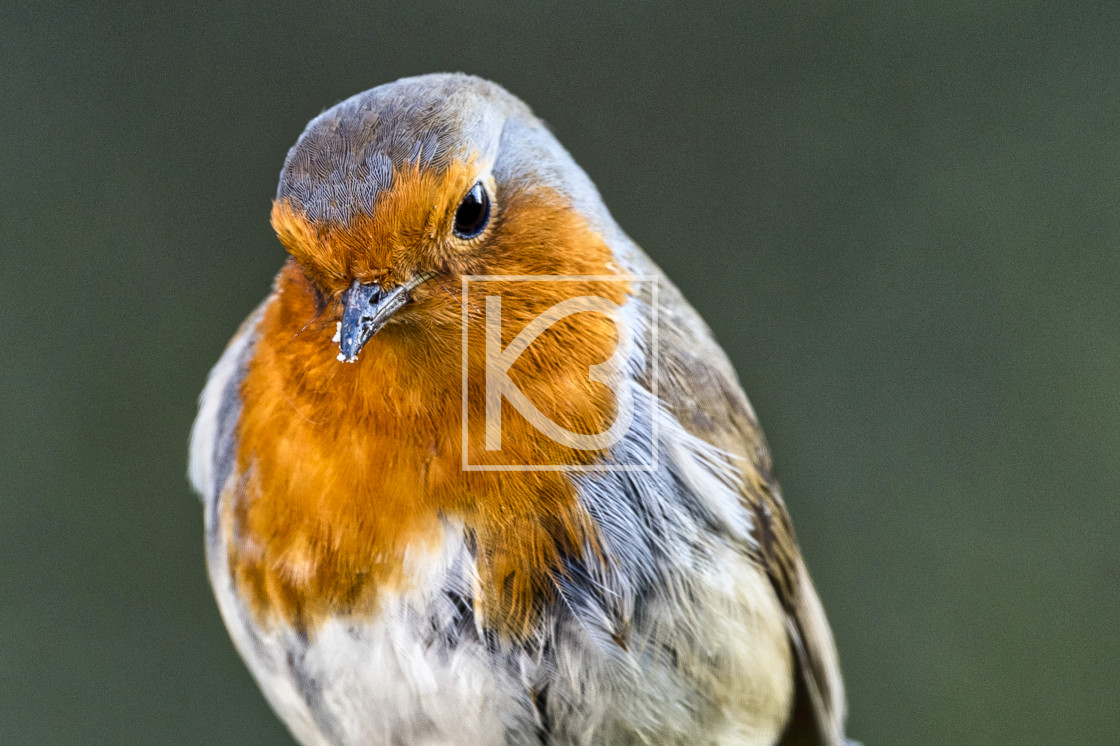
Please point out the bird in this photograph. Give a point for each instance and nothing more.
(475, 472)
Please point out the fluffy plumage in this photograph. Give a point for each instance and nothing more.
(382, 594)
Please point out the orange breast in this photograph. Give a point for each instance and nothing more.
(351, 469)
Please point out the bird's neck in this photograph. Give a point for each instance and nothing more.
(353, 471)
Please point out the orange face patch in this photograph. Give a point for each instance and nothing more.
(409, 229)
(353, 470)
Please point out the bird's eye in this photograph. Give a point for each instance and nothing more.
(473, 213)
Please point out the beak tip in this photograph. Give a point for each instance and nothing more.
(348, 349)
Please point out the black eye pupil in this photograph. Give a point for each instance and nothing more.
(473, 213)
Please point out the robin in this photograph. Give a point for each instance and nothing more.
(476, 473)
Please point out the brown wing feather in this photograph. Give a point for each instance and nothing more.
(698, 383)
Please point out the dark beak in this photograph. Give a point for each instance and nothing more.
(365, 309)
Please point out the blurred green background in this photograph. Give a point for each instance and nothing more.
(901, 219)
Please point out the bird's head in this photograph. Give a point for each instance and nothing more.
(391, 197)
